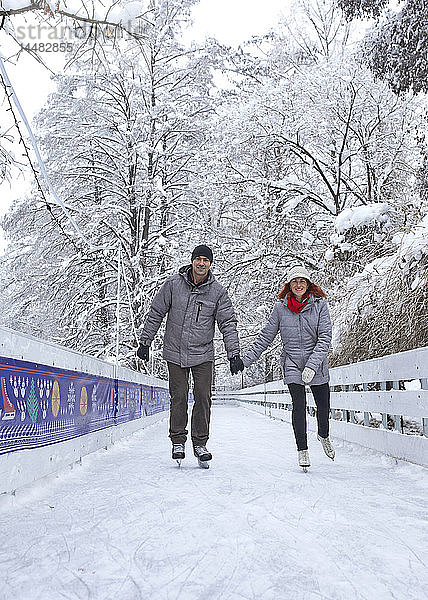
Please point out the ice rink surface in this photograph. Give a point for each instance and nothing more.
(129, 524)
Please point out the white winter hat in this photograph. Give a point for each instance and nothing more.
(298, 271)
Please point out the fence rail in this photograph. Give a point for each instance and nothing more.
(374, 387)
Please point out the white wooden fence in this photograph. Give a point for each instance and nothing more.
(371, 401)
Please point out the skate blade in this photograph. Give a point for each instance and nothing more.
(305, 469)
(204, 464)
(178, 461)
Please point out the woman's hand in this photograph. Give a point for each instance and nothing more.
(308, 374)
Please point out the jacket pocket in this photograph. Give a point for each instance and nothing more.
(205, 312)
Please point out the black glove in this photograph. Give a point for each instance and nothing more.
(236, 364)
(143, 352)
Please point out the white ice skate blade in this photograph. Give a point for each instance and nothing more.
(178, 461)
(204, 464)
(305, 469)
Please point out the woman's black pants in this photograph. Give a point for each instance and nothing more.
(321, 395)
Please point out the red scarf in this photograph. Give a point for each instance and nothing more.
(294, 305)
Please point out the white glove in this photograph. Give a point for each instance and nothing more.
(308, 374)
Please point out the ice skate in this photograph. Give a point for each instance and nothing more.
(178, 453)
(327, 446)
(203, 456)
(304, 461)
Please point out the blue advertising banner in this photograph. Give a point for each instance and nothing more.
(41, 405)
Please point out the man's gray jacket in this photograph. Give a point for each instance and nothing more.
(305, 336)
(192, 313)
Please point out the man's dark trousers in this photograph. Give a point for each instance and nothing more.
(179, 391)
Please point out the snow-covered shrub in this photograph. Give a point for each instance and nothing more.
(384, 308)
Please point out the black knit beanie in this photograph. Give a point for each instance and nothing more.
(202, 251)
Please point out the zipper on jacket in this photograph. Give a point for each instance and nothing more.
(199, 310)
(301, 337)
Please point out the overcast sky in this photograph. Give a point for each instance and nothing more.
(234, 21)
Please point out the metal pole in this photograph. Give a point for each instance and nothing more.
(51, 190)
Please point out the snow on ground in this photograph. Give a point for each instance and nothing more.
(129, 524)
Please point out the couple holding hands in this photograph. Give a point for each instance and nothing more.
(194, 301)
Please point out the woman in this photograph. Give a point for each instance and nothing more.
(302, 317)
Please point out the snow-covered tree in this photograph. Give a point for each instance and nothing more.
(396, 45)
(89, 25)
(320, 163)
(382, 309)
(98, 16)
(299, 154)
(121, 143)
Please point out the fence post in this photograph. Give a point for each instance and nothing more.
(351, 388)
(344, 388)
(397, 418)
(424, 386)
(366, 414)
(384, 415)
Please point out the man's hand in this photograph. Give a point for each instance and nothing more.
(236, 365)
(308, 374)
(143, 352)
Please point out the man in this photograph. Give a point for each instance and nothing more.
(194, 302)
